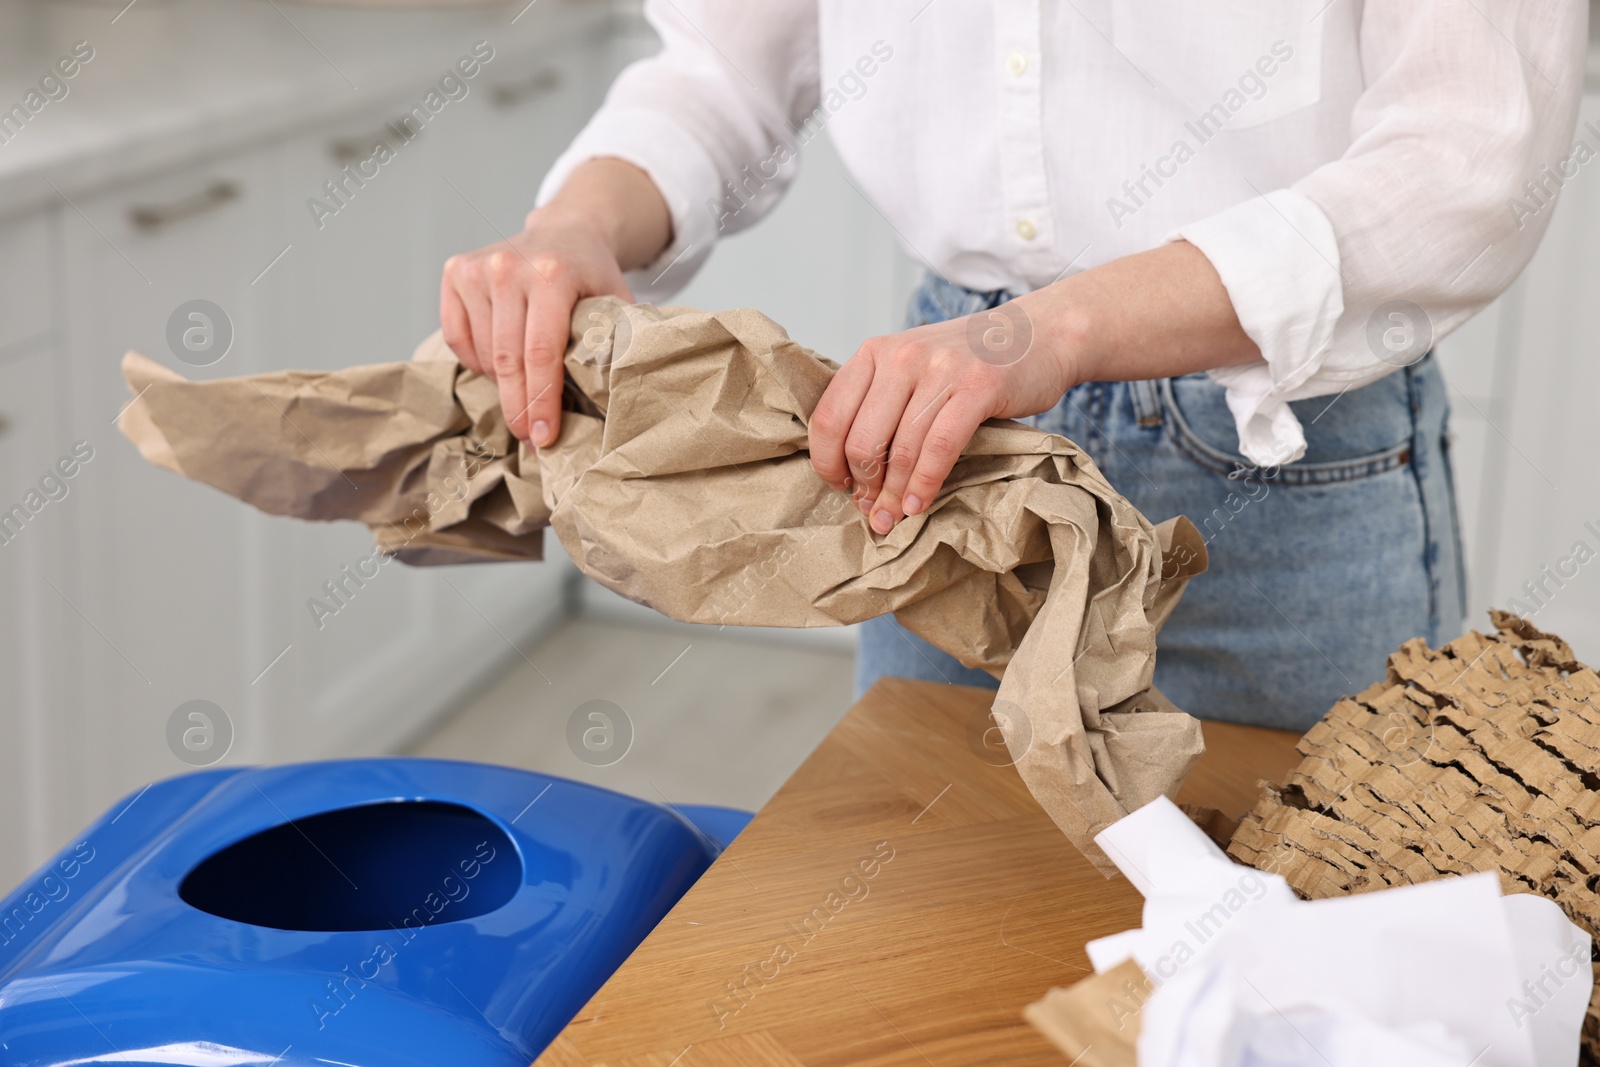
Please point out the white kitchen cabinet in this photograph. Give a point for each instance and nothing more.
(140, 590)
(38, 696)
(525, 108)
(354, 290)
(1470, 360)
(363, 287)
(168, 571)
(1526, 462)
(27, 277)
(41, 726)
(188, 594)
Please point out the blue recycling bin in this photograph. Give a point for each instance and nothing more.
(373, 913)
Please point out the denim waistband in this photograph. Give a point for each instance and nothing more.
(954, 301)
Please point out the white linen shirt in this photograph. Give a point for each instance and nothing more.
(1330, 157)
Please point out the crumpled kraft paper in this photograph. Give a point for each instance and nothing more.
(1095, 1021)
(681, 480)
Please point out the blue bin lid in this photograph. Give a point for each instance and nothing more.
(389, 912)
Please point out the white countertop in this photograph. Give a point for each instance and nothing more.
(176, 79)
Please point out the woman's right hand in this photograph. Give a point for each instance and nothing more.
(506, 308)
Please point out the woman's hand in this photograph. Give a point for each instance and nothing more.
(894, 420)
(506, 309)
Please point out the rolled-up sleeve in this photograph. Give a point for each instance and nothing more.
(710, 118)
(1427, 216)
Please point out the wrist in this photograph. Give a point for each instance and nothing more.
(617, 204)
(1065, 332)
(572, 217)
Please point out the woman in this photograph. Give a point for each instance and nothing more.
(1212, 244)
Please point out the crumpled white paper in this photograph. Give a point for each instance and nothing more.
(1444, 974)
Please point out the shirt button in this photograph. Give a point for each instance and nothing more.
(1017, 63)
(1026, 230)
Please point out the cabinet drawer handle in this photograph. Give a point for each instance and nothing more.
(148, 217)
(351, 149)
(510, 94)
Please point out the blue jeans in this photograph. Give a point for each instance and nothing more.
(1317, 572)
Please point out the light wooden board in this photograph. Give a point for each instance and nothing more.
(969, 906)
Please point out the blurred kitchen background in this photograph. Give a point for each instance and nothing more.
(178, 166)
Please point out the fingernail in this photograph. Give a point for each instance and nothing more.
(864, 505)
(882, 521)
(913, 505)
(849, 484)
(539, 433)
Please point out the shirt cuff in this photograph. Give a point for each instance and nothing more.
(1279, 260)
(681, 170)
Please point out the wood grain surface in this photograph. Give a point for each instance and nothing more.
(899, 901)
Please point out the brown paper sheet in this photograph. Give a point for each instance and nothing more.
(681, 480)
(1482, 755)
(1095, 1022)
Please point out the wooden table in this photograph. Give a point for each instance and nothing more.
(897, 902)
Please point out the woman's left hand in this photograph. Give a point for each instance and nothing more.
(894, 420)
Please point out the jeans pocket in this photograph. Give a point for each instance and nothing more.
(1371, 435)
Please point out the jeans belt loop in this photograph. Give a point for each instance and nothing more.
(1146, 401)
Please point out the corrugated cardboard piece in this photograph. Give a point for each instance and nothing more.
(1482, 755)
(681, 480)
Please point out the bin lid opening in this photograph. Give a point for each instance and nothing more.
(395, 864)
